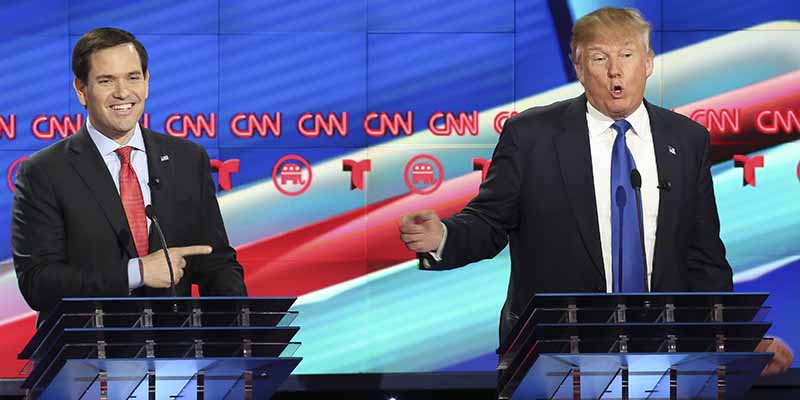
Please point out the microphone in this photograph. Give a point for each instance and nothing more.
(636, 182)
(124, 238)
(665, 185)
(153, 183)
(151, 213)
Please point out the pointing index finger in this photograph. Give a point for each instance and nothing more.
(192, 250)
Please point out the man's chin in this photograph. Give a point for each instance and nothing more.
(617, 114)
(126, 126)
(619, 111)
(117, 131)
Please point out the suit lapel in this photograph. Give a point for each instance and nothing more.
(575, 160)
(160, 170)
(91, 168)
(668, 155)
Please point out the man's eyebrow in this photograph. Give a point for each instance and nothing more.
(595, 48)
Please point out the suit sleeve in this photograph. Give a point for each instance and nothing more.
(481, 229)
(39, 242)
(219, 273)
(708, 269)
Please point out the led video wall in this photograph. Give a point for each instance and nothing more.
(328, 119)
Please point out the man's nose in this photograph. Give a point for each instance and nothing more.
(614, 69)
(121, 89)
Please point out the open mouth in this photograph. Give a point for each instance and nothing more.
(123, 109)
(617, 91)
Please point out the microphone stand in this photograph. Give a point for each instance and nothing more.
(152, 215)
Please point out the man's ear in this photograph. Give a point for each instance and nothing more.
(80, 90)
(146, 84)
(578, 71)
(577, 65)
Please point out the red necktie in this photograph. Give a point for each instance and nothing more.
(131, 195)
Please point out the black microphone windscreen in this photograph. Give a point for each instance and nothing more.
(124, 237)
(621, 197)
(151, 213)
(636, 179)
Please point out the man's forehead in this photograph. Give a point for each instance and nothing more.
(120, 49)
(609, 44)
(120, 59)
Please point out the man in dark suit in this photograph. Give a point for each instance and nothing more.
(559, 188)
(79, 227)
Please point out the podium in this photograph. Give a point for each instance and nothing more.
(162, 348)
(635, 346)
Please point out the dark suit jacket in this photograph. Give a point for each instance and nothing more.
(539, 197)
(70, 235)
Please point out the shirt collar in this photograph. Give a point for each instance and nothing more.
(107, 146)
(599, 123)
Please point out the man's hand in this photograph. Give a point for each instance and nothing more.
(421, 231)
(782, 359)
(155, 271)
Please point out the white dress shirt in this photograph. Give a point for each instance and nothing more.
(601, 142)
(640, 142)
(106, 148)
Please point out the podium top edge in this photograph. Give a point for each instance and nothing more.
(654, 294)
(684, 298)
(179, 298)
(272, 303)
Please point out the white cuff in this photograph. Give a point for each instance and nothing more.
(436, 255)
(134, 276)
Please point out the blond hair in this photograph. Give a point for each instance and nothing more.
(609, 23)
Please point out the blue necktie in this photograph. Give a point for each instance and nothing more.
(628, 260)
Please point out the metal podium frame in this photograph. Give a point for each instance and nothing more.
(635, 346)
(162, 347)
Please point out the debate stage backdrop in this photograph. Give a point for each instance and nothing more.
(328, 119)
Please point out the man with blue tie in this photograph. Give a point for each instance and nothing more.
(562, 189)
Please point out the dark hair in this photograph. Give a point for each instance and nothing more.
(99, 39)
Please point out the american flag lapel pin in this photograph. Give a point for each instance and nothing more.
(166, 157)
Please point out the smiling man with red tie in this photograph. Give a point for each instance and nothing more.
(79, 227)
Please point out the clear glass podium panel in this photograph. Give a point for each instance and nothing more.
(44, 344)
(679, 329)
(653, 313)
(516, 368)
(688, 336)
(168, 350)
(636, 346)
(81, 379)
(551, 376)
(126, 346)
(192, 311)
(633, 308)
(698, 378)
(162, 342)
